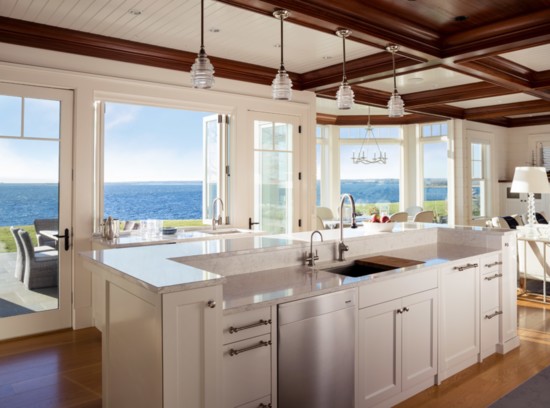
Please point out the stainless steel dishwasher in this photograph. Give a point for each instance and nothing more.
(316, 351)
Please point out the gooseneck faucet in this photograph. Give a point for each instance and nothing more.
(311, 258)
(217, 220)
(341, 246)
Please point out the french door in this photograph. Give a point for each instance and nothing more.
(276, 188)
(35, 209)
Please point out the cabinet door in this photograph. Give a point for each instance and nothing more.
(192, 348)
(508, 330)
(459, 317)
(246, 371)
(379, 353)
(419, 338)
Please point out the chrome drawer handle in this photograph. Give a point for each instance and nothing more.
(262, 405)
(498, 312)
(467, 266)
(262, 343)
(493, 264)
(262, 322)
(496, 275)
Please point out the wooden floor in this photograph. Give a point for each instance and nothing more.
(63, 369)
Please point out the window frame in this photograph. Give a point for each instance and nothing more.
(485, 179)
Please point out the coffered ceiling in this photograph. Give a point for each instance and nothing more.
(487, 61)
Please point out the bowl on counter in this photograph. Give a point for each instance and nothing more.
(169, 230)
(378, 226)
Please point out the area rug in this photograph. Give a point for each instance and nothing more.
(533, 393)
(11, 309)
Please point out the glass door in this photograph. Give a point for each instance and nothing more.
(35, 209)
(274, 168)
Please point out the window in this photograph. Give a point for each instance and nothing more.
(161, 163)
(375, 187)
(480, 179)
(434, 161)
(322, 167)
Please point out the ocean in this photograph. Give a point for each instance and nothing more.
(20, 204)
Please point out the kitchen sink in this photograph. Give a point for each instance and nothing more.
(222, 231)
(355, 270)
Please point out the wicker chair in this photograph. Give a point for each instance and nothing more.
(20, 260)
(46, 224)
(40, 267)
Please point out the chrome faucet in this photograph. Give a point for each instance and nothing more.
(218, 220)
(341, 246)
(311, 258)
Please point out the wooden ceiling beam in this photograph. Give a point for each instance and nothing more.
(509, 109)
(375, 120)
(529, 121)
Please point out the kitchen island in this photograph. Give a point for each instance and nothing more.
(197, 322)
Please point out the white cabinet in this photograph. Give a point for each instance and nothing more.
(508, 331)
(459, 317)
(397, 346)
(247, 357)
(490, 304)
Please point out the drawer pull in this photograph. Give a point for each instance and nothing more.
(496, 275)
(495, 314)
(262, 322)
(262, 343)
(464, 267)
(493, 264)
(262, 405)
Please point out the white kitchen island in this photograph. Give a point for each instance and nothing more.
(194, 325)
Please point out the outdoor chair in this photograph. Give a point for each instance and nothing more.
(50, 224)
(20, 259)
(412, 211)
(402, 216)
(40, 267)
(424, 216)
(323, 214)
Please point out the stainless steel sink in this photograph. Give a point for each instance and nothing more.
(356, 270)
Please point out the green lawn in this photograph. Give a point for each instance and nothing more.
(7, 244)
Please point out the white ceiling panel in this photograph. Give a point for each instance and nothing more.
(529, 115)
(328, 106)
(176, 24)
(495, 100)
(535, 58)
(422, 81)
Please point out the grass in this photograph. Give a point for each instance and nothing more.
(7, 243)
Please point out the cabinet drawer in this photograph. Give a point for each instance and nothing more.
(246, 371)
(490, 290)
(491, 264)
(384, 291)
(490, 323)
(244, 325)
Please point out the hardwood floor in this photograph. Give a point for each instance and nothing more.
(63, 369)
(55, 370)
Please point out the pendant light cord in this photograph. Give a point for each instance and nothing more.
(344, 79)
(282, 44)
(202, 26)
(394, 80)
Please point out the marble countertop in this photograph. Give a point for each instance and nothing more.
(260, 289)
(154, 267)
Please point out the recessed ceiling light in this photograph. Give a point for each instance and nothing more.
(135, 12)
(214, 30)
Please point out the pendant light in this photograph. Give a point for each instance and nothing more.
(202, 71)
(282, 84)
(396, 106)
(344, 96)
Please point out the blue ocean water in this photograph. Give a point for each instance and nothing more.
(20, 204)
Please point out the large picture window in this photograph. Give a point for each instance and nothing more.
(480, 179)
(161, 163)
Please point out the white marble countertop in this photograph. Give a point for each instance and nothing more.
(153, 267)
(260, 289)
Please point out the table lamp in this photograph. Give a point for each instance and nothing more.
(530, 180)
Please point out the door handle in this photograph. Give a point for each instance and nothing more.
(66, 237)
(250, 223)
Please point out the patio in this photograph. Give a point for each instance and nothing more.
(15, 298)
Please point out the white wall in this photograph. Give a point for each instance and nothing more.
(89, 77)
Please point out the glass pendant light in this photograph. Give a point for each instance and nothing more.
(282, 84)
(344, 96)
(202, 71)
(396, 106)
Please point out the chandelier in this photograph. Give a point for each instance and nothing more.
(202, 71)
(282, 84)
(362, 156)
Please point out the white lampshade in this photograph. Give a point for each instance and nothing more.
(530, 180)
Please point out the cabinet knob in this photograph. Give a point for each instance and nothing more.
(211, 304)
